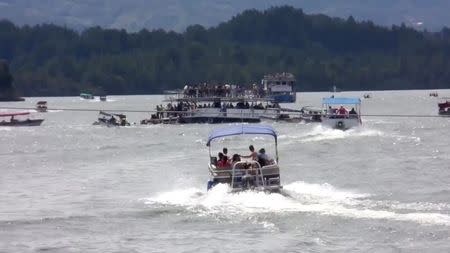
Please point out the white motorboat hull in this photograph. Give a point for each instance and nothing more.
(341, 123)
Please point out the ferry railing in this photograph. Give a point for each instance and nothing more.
(259, 179)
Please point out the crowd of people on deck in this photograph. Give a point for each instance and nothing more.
(226, 162)
(175, 110)
(341, 112)
(222, 90)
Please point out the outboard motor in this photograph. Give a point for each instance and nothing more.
(210, 185)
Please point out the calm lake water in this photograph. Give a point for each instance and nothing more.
(69, 186)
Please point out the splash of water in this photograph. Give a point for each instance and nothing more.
(320, 133)
(320, 199)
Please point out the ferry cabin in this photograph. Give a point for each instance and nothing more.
(221, 110)
(280, 87)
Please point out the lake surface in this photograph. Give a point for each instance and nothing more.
(69, 186)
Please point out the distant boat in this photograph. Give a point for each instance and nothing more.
(280, 87)
(102, 98)
(41, 106)
(367, 95)
(19, 122)
(111, 119)
(335, 89)
(341, 118)
(444, 106)
(86, 96)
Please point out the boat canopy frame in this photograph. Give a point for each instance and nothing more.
(112, 114)
(341, 101)
(12, 114)
(243, 130)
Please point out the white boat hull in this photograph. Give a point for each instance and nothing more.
(341, 123)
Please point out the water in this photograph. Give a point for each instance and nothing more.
(68, 186)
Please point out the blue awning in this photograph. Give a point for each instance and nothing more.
(238, 130)
(341, 101)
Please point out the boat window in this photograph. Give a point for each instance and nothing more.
(284, 83)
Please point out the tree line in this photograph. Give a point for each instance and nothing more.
(321, 51)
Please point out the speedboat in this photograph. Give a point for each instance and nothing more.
(444, 106)
(86, 96)
(338, 115)
(103, 98)
(111, 119)
(41, 106)
(13, 121)
(259, 175)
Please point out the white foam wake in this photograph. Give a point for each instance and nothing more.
(310, 198)
(320, 133)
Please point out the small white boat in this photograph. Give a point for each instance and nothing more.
(261, 175)
(339, 115)
(111, 119)
(444, 106)
(86, 96)
(13, 121)
(41, 106)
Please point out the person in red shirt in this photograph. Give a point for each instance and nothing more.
(342, 111)
(223, 161)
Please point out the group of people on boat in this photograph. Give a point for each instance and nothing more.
(175, 110)
(434, 94)
(113, 119)
(341, 112)
(226, 162)
(221, 90)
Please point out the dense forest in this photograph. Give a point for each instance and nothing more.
(321, 51)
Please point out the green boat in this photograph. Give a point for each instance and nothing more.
(86, 96)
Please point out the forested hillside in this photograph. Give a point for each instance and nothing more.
(321, 52)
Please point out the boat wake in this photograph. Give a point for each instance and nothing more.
(320, 133)
(301, 197)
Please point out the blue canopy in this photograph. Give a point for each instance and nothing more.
(341, 101)
(238, 130)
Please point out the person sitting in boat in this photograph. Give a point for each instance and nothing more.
(342, 112)
(263, 158)
(223, 161)
(352, 112)
(112, 120)
(235, 159)
(331, 110)
(225, 153)
(253, 155)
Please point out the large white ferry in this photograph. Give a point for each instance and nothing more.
(182, 107)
